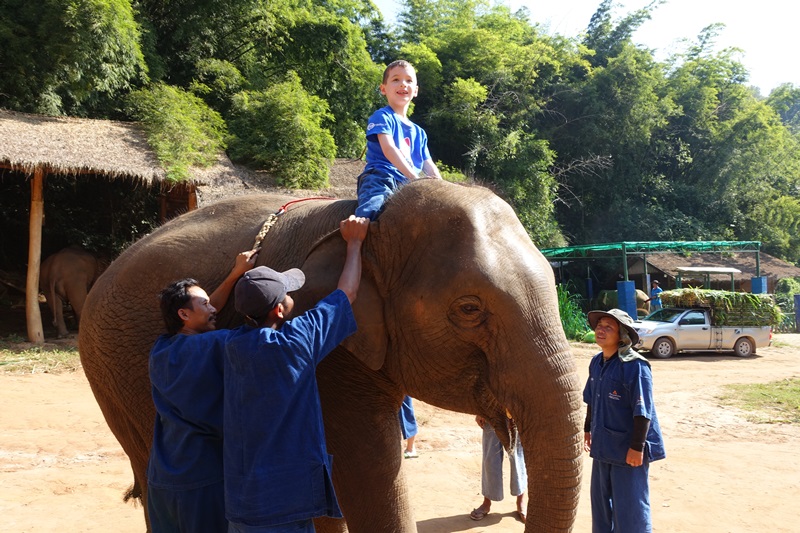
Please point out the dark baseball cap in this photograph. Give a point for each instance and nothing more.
(259, 290)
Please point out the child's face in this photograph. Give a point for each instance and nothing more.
(400, 86)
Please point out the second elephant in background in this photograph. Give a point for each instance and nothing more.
(66, 277)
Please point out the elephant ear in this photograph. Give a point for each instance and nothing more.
(322, 267)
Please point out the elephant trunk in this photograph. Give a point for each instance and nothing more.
(551, 437)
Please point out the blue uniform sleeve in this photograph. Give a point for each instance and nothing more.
(640, 383)
(587, 390)
(315, 333)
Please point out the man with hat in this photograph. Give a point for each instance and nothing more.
(277, 469)
(621, 431)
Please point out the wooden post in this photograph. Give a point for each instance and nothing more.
(34, 316)
(191, 202)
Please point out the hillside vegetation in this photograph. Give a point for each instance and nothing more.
(589, 137)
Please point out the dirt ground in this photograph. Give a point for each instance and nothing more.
(62, 470)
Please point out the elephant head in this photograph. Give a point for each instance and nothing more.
(456, 307)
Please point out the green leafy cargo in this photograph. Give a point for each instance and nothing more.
(727, 308)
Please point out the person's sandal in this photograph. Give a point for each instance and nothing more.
(411, 455)
(478, 514)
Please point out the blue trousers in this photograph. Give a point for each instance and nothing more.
(620, 498)
(492, 470)
(303, 526)
(187, 511)
(373, 191)
(408, 422)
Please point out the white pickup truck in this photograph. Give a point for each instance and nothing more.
(671, 330)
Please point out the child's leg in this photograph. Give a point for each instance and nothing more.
(373, 190)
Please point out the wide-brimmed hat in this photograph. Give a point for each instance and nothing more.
(259, 290)
(620, 316)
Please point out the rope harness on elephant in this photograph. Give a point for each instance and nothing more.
(273, 218)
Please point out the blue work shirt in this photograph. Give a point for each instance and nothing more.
(277, 469)
(410, 139)
(186, 379)
(617, 391)
(655, 295)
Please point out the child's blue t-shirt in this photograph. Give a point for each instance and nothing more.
(408, 137)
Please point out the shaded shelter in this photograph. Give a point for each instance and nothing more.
(627, 252)
(41, 147)
(666, 265)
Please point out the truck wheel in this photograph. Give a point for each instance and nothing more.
(663, 348)
(744, 347)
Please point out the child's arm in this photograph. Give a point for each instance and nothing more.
(430, 169)
(395, 157)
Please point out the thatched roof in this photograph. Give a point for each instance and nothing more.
(770, 266)
(67, 145)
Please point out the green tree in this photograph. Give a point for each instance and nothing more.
(785, 99)
(280, 129)
(328, 53)
(604, 134)
(606, 37)
(68, 56)
(181, 128)
(183, 33)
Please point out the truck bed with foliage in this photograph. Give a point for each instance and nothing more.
(727, 308)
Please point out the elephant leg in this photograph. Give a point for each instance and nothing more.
(58, 315)
(363, 435)
(76, 297)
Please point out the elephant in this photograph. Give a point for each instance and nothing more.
(607, 299)
(67, 276)
(456, 307)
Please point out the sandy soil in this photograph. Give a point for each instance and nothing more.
(62, 470)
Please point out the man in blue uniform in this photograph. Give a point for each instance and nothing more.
(655, 296)
(184, 475)
(621, 430)
(277, 469)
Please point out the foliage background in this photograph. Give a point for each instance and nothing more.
(589, 137)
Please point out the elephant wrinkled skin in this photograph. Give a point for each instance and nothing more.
(456, 307)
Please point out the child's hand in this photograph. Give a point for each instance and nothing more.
(354, 228)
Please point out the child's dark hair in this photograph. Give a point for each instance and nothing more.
(173, 297)
(398, 63)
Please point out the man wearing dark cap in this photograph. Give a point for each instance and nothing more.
(184, 474)
(621, 431)
(277, 469)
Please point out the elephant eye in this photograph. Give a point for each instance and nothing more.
(470, 308)
(467, 312)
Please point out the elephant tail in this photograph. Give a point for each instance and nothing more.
(134, 493)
